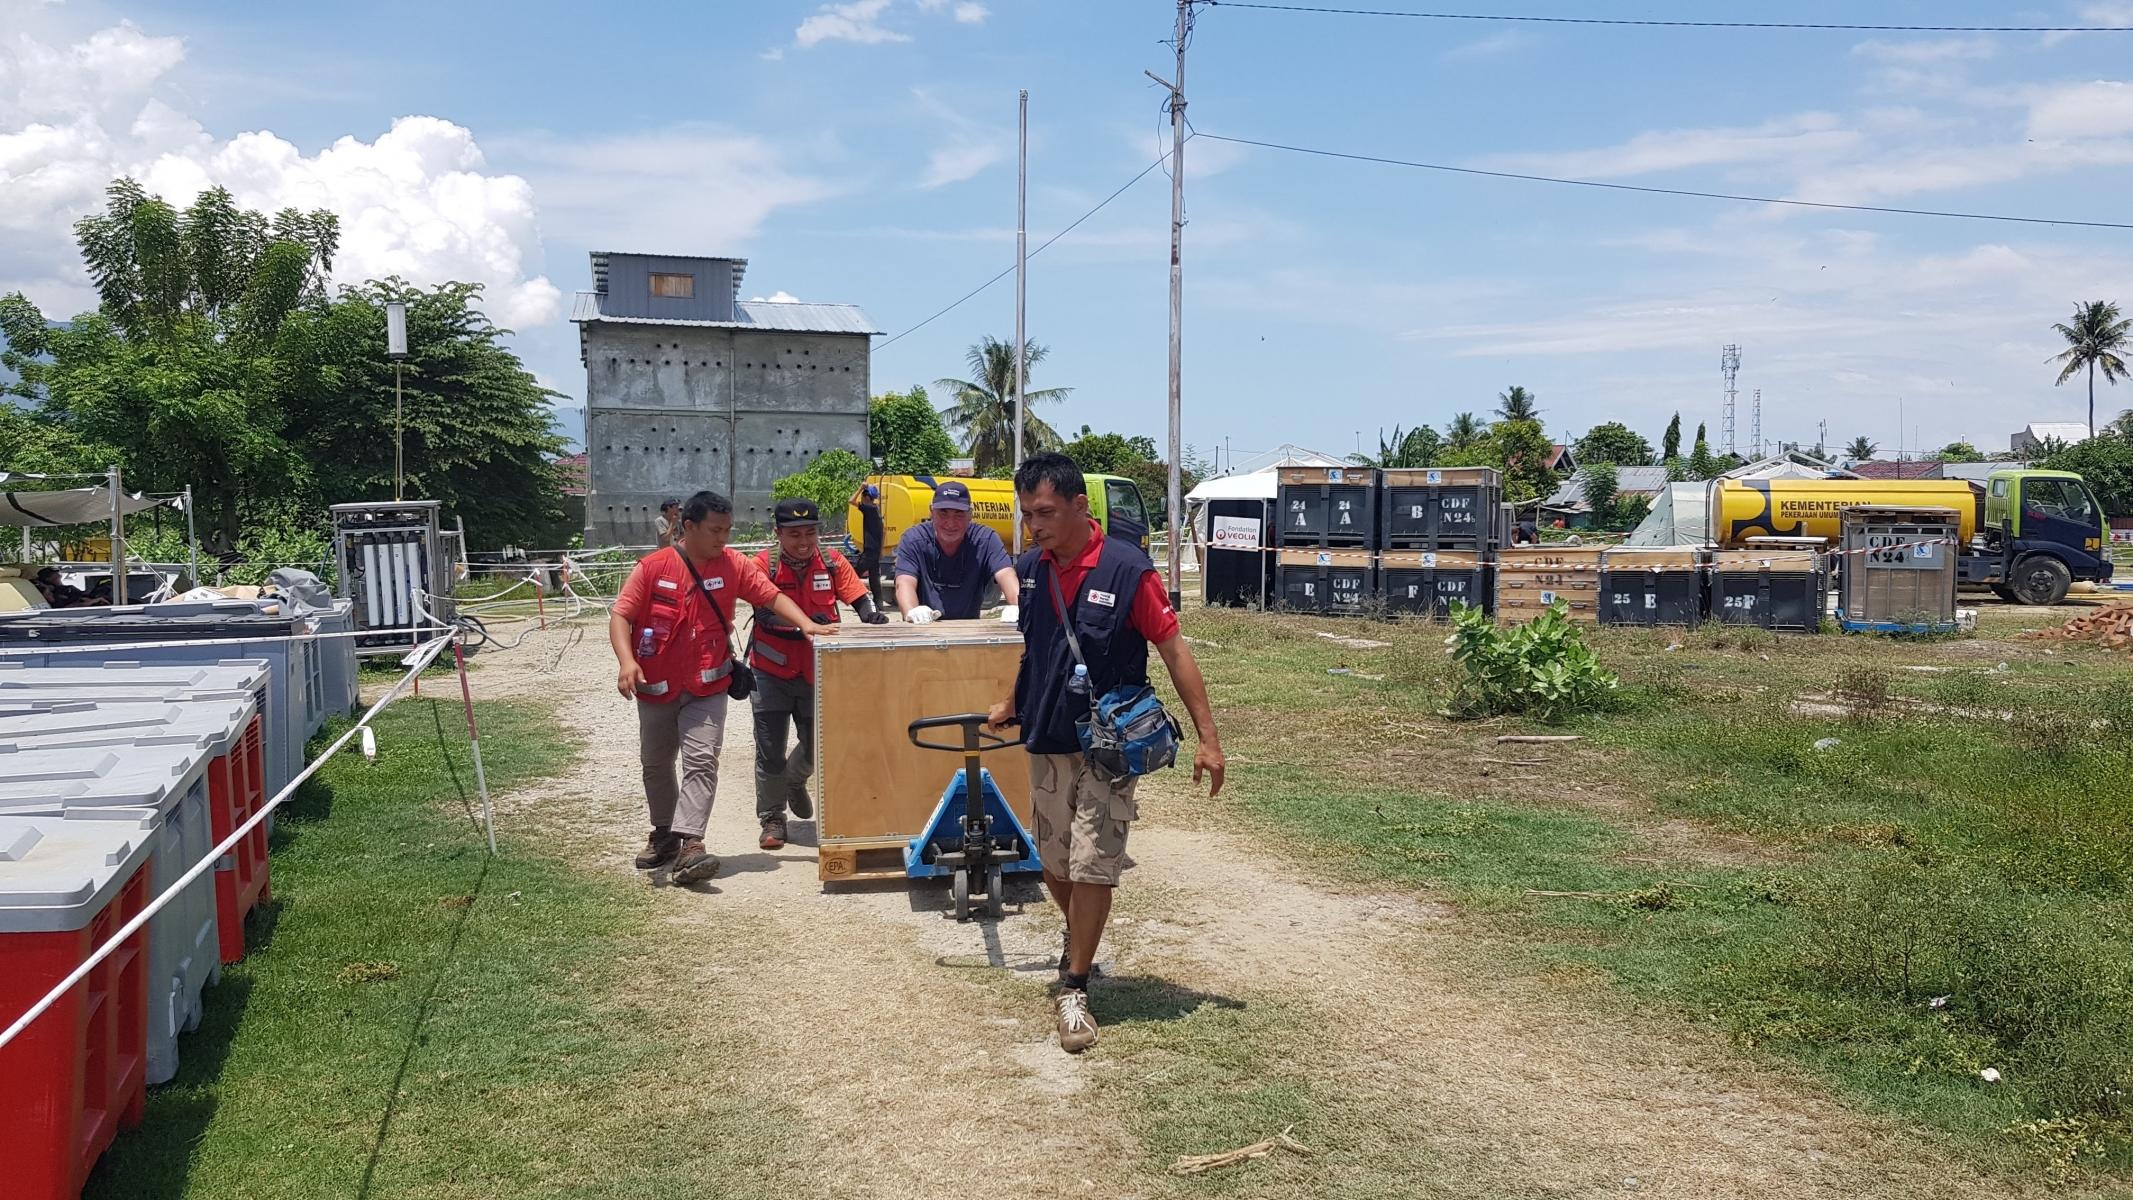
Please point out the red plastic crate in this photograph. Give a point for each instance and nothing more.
(76, 1076)
(236, 790)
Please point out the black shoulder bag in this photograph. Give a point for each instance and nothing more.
(740, 681)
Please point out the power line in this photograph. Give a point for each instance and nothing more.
(972, 293)
(1663, 191)
(1446, 16)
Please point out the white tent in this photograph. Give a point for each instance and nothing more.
(73, 506)
(1680, 516)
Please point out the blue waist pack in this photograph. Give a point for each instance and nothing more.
(1127, 733)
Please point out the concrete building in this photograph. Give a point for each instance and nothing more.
(687, 386)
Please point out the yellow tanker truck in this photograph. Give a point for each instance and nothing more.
(2027, 535)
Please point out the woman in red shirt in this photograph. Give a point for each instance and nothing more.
(671, 631)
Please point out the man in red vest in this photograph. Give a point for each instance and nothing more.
(671, 630)
(815, 579)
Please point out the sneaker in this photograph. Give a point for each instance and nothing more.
(658, 850)
(803, 805)
(1077, 1029)
(693, 863)
(773, 834)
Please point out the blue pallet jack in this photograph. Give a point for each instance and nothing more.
(973, 835)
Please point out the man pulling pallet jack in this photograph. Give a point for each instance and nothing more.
(1091, 608)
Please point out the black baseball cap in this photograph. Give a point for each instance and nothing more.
(797, 511)
(952, 494)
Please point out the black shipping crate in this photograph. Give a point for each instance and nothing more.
(1328, 506)
(1230, 574)
(1651, 587)
(1334, 582)
(1777, 589)
(1437, 507)
(1429, 582)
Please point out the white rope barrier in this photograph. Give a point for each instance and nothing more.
(415, 661)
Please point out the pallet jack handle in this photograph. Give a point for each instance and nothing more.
(976, 738)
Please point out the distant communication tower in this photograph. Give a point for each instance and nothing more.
(1729, 362)
(1755, 438)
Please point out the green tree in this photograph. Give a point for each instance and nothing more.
(1463, 431)
(1601, 483)
(829, 481)
(1861, 449)
(1960, 451)
(905, 435)
(1702, 463)
(1517, 404)
(1613, 443)
(1106, 453)
(2093, 340)
(477, 425)
(984, 410)
(1518, 449)
(1670, 445)
(1417, 447)
(2106, 461)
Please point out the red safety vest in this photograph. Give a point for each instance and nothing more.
(677, 640)
(776, 648)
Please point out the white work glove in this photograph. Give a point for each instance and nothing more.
(1011, 614)
(920, 616)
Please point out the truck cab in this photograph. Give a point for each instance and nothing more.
(2041, 531)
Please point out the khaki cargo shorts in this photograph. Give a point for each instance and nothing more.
(1081, 820)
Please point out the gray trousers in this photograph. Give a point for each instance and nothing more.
(691, 728)
(780, 775)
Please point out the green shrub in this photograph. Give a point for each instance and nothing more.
(1541, 669)
(829, 481)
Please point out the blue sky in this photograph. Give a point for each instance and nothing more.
(864, 152)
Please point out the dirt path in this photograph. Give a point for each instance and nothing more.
(876, 1009)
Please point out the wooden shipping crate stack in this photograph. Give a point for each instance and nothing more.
(1652, 587)
(875, 790)
(1770, 589)
(1530, 578)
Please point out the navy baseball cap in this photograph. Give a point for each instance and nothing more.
(953, 494)
(796, 511)
(873, 492)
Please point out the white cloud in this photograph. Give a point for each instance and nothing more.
(689, 188)
(1915, 52)
(1809, 136)
(777, 297)
(419, 201)
(1494, 46)
(2103, 108)
(971, 14)
(858, 21)
(958, 162)
(2116, 13)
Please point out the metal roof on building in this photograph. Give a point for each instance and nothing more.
(1629, 481)
(600, 257)
(775, 315)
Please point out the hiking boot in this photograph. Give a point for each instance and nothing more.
(803, 805)
(773, 834)
(658, 850)
(693, 863)
(1077, 1029)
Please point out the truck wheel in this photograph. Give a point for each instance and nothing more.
(2041, 580)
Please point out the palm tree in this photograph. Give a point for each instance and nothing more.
(2093, 341)
(984, 407)
(1861, 449)
(1517, 405)
(1463, 431)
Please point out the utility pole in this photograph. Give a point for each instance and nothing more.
(1021, 283)
(1177, 295)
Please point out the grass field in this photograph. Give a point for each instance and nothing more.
(419, 1019)
(1941, 890)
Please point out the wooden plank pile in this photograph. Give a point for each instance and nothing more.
(2110, 627)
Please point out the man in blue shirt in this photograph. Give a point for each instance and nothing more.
(943, 565)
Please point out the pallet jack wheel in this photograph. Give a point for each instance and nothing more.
(993, 899)
(960, 889)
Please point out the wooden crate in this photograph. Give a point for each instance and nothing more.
(1673, 558)
(1326, 506)
(1530, 578)
(875, 788)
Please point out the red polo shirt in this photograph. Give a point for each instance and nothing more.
(1152, 615)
